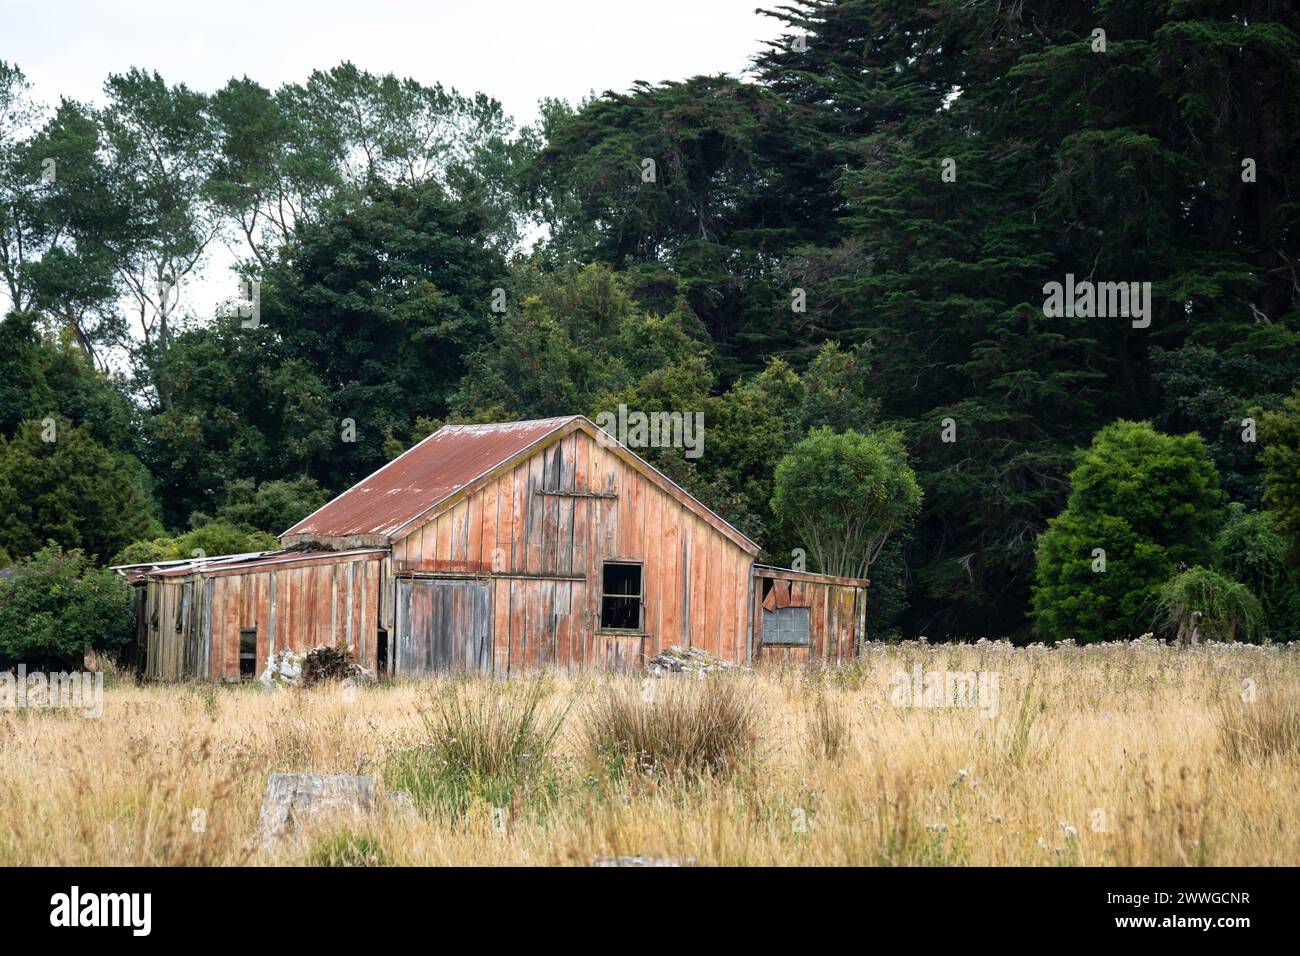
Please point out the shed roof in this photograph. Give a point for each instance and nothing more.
(414, 485)
(422, 476)
(236, 563)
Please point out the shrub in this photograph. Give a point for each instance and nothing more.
(492, 748)
(212, 538)
(696, 728)
(58, 484)
(1227, 607)
(56, 606)
(1149, 501)
(1250, 549)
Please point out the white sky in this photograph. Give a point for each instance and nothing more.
(515, 50)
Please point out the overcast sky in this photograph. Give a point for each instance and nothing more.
(515, 50)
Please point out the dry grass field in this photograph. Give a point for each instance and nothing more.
(1109, 755)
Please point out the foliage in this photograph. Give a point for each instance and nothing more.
(1227, 607)
(1279, 432)
(71, 490)
(843, 495)
(272, 506)
(57, 605)
(212, 538)
(1249, 549)
(696, 729)
(1141, 504)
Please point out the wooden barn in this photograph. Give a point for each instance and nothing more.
(497, 549)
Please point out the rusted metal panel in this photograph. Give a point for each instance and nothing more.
(423, 476)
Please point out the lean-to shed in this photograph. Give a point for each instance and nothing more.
(498, 549)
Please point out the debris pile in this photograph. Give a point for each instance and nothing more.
(317, 666)
(687, 660)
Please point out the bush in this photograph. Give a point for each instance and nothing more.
(1227, 608)
(690, 729)
(58, 484)
(1150, 502)
(1250, 549)
(492, 749)
(211, 539)
(56, 606)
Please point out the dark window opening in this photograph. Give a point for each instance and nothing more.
(787, 625)
(621, 597)
(248, 652)
(381, 651)
(768, 584)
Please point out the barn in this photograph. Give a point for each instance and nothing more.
(496, 549)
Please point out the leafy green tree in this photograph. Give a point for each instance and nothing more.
(382, 301)
(43, 374)
(567, 339)
(242, 409)
(57, 605)
(1279, 432)
(843, 495)
(1141, 505)
(272, 506)
(1249, 549)
(58, 484)
(160, 142)
(1226, 607)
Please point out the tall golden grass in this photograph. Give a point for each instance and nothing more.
(1136, 754)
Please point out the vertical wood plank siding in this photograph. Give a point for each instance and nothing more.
(190, 625)
(551, 522)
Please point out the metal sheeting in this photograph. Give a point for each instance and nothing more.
(425, 475)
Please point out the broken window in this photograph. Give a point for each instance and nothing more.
(787, 625)
(621, 597)
(248, 652)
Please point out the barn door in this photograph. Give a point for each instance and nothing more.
(444, 625)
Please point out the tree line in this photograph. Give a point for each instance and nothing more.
(840, 259)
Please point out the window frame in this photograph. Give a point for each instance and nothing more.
(807, 642)
(639, 597)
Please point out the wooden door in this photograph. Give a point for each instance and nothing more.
(444, 625)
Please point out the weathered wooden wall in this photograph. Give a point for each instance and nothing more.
(837, 616)
(541, 532)
(191, 623)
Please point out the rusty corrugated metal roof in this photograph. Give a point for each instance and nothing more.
(424, 475)
(234, 563)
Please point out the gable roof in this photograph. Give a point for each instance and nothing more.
(454, 461)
